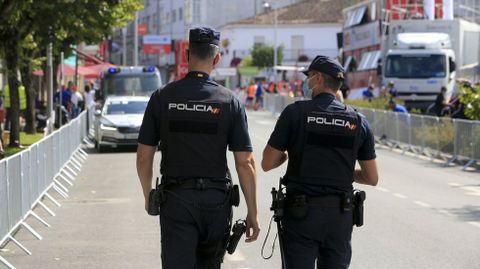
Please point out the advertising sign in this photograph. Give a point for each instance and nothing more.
(361, 36)
(142, 29)
(181, 61)
(157, 44)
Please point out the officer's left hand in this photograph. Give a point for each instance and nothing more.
(253, 229)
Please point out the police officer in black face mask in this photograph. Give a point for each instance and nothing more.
(322, 139)
(195, 119)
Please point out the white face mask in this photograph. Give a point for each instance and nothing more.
(307, 91)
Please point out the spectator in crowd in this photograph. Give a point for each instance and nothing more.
(272, 87)
(89, 96)
(2, 151)
(393, 106)
(392, 91)
(251, 89)
(75, 99)
(441, 106)
(258, 96)
(367, 94)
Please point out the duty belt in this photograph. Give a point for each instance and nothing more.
(197, 184)
(335, 201)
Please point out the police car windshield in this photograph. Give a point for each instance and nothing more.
(416, 66)
(132, 85)
(126, 107)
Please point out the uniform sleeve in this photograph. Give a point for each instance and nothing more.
(238, 137)
(280, 137)
(149, 131)
(367, 148)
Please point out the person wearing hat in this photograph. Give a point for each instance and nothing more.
(322, 139)
(195, 120)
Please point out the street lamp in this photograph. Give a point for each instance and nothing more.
(268, 6)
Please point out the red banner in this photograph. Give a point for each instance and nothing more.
(181, 61)
(142, 29)
(156, 49)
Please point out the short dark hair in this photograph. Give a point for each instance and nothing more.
(331, 83)
(203, 51)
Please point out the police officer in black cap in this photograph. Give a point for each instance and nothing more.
(195, 119)
(322, 140)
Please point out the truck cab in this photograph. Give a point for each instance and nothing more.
(419, 64)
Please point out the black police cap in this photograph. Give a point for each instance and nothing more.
(327, 65)
(204, 35)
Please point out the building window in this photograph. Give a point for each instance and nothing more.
(167, 19)
(147, 21)
(196, 18)
(369, 60)
(180, 14)
(174, 15)
(258, 40)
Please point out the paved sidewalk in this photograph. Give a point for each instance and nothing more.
(101, 225)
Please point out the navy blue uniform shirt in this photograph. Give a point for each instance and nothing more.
(288, 125)
(195, 148)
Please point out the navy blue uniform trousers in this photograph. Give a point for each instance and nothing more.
(193, 226)
(324, 235)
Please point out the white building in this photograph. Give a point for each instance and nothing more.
(175, 17)
(305, 29)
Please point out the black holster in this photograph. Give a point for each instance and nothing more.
(155, 199)
(358, 199)
(297, 206)
(234, 195)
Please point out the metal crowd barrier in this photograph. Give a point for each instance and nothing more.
(451, 140)
(26, 178)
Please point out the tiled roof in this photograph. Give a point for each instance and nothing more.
(304, 12)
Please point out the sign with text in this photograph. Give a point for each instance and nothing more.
(157, 44)
(181, 60)
(142, 29)
(361, 36)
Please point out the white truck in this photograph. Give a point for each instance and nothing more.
(421, 56)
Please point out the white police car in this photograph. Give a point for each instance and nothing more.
(118, 122)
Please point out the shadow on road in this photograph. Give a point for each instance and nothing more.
(466, 213)
(120, 149)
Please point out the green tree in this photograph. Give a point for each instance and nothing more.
(27, 27)
(262, 55)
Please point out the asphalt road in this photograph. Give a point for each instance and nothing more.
(419, 216)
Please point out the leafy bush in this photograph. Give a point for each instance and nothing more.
(471, 99)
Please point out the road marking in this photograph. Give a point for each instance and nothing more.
(471, 190)
(237, 256)
(443, 211)
(399, 195)
(475, 223)
(453, 184)
(420, 203)
(382, 189)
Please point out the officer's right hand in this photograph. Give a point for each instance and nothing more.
(253, 229)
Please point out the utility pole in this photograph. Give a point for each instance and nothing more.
(135, 40)
(60, 95)
(274, 36)
(124, 46)
(50, 113)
